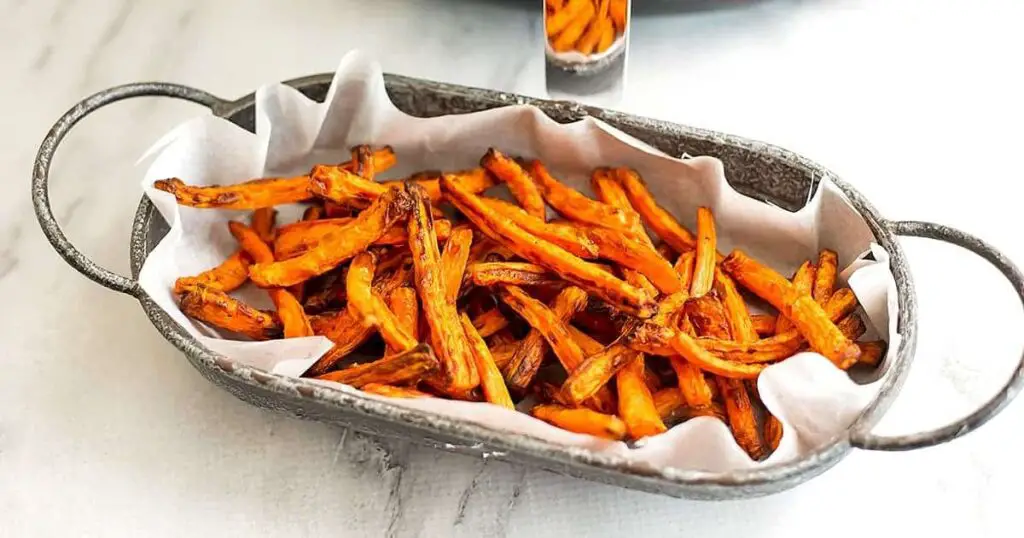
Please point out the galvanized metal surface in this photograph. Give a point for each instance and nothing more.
(760, 170)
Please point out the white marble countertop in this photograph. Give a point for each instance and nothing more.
(105, 430)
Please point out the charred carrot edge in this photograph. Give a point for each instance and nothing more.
(394, 392)
(588, 276)
(338, 246)
(581, 420)
(221, 310)
(704, 263)
(453, 261)
(803, 282)
(764, 324)
(807, 315)
(403, 303)
(549, 324)
(656, 217)
(653, 339)
(226, 277)
(491, 382)
(289, 309)
(519, 182)
(490, 322)
(636, 405)
(825, 281)
(773, 431)
(740, 323)
(489, 274)
(445, 331)
(362, 162)
(407, 367)
(566, 236)
(575, 206)
(263, 221)
(740, 412)
(707, 314)
(871, 353)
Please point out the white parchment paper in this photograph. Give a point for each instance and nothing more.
(814, 400)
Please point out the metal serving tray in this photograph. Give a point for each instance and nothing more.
(759, 170)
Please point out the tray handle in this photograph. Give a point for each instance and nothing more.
(41, 171)
(861, 436)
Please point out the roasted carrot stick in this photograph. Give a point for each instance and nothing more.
(407, 367)
(511, 273)
(591, 277)
(764, 324)
(453, 261)
(575, 206)
(370, 307)
(263, 220)
(491, 381)
(660, 220)
(393, 391)
(548, 323)
(803, 281)
(636, 405)
(872, 352)
(448, 339)
(226, 277)
(222, 310)
(490, 322)
(825, 281)
(289, 309)
(581, 420)
(566, 236)
(704, 263)
(406, 308)
(519, 182)
(807, 315)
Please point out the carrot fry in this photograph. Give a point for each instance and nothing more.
(289, 309)
(549, 324)
(782, 345)
(673, 409)
(346, 329)
(660, 220)
(490, 322)
(337, 246)
(764, 325)
(445, 334)
(575, 206)
(402, 301)
(406, 367)
(740, 323)
(330, 292)
(704, 263)
(708, 317)
(772, 431)
(393, 391)
(693, 386)
(554, 24)
(807, 315)
(595, 372)
(453, 261)
(502, 354)
(871, 353)
(592, 278)
(607, 36)
(566, 236)
(592, 36)
(635, 255)
(585, 341)
(522, 186)
(825, 281)
(253, 194)
(491, 274)
(610, 192)
(650, 338)
(581, 420)
(475, 180)
(568, 37)
(299, 237)
(263, 220)
(740, 412)
(221, 310)
(370, 307)
(636, 405)
(617, 11)
(362, 161)
(491, 381)
(803, 281)
(226, 277)
(852, 326)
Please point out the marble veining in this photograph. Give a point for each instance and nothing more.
(924, 125)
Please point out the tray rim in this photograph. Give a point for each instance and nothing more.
(499, 444)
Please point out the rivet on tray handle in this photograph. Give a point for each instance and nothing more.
(861, 437)
(41, 170)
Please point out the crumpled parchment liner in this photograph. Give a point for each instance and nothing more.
(814, 400)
